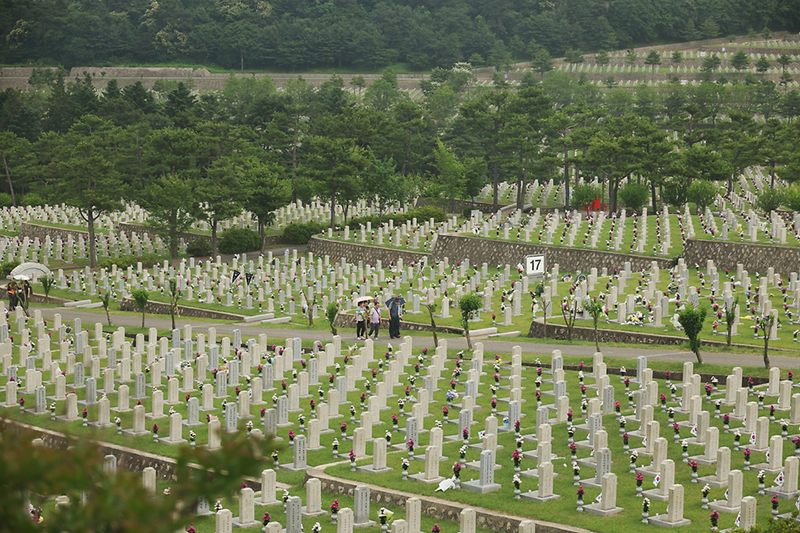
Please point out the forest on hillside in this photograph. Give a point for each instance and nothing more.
(303, 34)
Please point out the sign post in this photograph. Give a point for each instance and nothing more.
(535, 266)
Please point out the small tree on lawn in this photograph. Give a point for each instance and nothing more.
(105, 299)
(48, 282)
(469, 304)
(140, 296)
(766, 322)
(331, 312)
(730, 317)
(174, 296)
(569, 310)
(595, 308)
(691, 320)
(432, 308)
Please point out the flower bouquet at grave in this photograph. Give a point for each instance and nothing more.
(634, 456)
(352, 460)
(580, 492)
(462, 452)
(465, 434)
(576, 473)
(772, 413)
(706, 489)
(291, 437)
(791, 374)
(401, 405)
(569, 415)
(436, 528)
(275, 459)
(693, 465)
(343, 428)
(274, 400)
(517, 459)
(85, 414)
(266, 519)
(395, 421)
(737, 436)
(155, 431)
(334, 510)
(714, 516)
(335, 447)
(405, 464)
(445, 412)
(677, 429)
(639, 480)
(517, 426)
(410, 447)
(645, 510)
(747, 454)
(191, 528)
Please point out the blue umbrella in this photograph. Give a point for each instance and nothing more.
(401, 300)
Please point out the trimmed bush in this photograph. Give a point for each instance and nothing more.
(6, 268)
(33, 199)
(237, 241)
(301, 233)
(634, 195)
(5, 200)
(199, 248)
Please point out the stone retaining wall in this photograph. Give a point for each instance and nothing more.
(435, 507)
(141, 230)
(348, 321)
(161, 308)
(493, 252)
(754, 257)
(606, 336)
(37, 231)
(359, 252)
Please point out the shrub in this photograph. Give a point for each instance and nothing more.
(236, 241)
(702, 193)
(5, 200)
(634, 195)
(584, 194)
(792, 197)
(6, 268)
(675, 192)
(124, 261)
(301, 233)
(198, 248)
(770, 199)
(33, 199)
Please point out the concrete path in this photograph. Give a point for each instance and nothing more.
(653, 352)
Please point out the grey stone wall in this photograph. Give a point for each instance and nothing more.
(754, 257)
(348, 321)
(435, 507)
(606, 336)
(162, 308)
(360, 252)
(37, 231)
(141, 230)
(478, 250)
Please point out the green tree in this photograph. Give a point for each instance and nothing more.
(105, 299)
(595, 308)
(542, 62)
(730, 318)
(631, 58)
(583, 195)
(740, 61)
(469, 304)
(359, 83)
(634, 195)
(48, 281)
(119, 502)
(16, 155)
(770, 199)
(333, 166)
(691, 320)
(331, 312)
(702, 193)
(268, 191)
(653, 58)
(141, 296)
(174, 296)
(784, 60)
(89, 180)
(762, 65)
(172, 159)
(711, 63)
(709, 28)
(573, 56)
(677, 57)
(602, 58)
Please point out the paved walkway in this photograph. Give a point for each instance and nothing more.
(653, 352)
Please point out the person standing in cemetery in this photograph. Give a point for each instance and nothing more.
(27, 294)
(13, 299)
(361, 320)
(394, 318)
(375, 320)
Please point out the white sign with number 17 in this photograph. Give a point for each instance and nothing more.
(534, 265)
